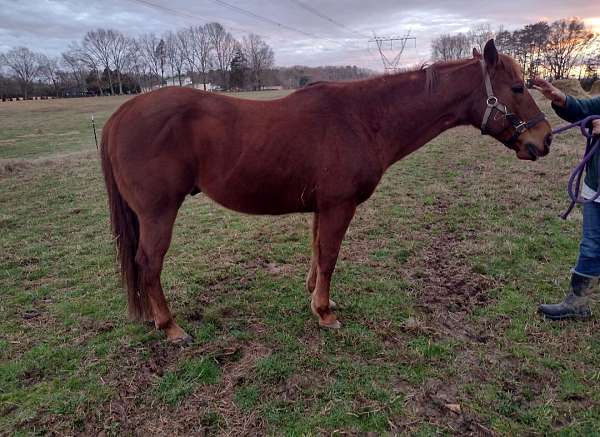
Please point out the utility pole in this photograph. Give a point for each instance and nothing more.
(397, 45)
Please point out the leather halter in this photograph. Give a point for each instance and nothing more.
(493, 104)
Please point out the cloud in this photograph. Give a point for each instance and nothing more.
(51, 25)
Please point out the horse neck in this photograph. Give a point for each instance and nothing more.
(410, 109)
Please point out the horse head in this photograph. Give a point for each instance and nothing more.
(507, 111)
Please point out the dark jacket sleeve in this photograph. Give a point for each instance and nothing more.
(577, 109)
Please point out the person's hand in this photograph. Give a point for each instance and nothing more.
(596, 127)
(550, 91)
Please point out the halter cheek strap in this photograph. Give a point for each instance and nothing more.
(492, 104)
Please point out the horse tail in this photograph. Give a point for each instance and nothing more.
(126, 232)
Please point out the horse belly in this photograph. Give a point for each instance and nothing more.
(253, 197)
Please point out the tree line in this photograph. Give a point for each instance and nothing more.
(106, 61)
(109, 62)
(558, 50)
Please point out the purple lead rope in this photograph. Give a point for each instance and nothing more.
(592, 146)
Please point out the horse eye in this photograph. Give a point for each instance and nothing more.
(519, 89)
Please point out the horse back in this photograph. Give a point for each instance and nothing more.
(261, 157)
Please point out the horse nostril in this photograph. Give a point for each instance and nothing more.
(548, 140)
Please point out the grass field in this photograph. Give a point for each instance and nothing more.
(438, 282)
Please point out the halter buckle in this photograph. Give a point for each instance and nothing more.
(492, 101)
(521, 127)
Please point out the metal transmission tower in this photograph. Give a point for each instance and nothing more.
(391, 65)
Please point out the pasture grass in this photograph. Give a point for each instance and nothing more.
(437, 283)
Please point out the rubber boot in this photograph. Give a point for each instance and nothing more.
(576, 305)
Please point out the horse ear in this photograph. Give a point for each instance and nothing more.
(490, 53)
(476, 53)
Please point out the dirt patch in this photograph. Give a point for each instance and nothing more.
(132, 376)
(214, 405)
(447, 292)
(209, 410)
(221, 397)
(439, 403)
(447, 287)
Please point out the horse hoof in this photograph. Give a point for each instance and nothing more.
(331, 325)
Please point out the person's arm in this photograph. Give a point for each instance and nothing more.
(577, 109)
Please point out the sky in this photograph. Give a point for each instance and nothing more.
(301, 32)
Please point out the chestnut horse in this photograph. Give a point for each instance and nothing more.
(322, 149)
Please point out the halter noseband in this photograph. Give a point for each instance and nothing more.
(492, 104)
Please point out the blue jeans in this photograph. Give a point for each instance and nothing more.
(588, 263)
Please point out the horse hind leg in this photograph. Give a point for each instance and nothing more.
(155, 238)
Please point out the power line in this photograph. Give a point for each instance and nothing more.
(186, 14)
(275, 23)
(264, 19)
(327, 18)
(180, 13)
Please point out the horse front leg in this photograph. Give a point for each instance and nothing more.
(332, 225)
(311, 277)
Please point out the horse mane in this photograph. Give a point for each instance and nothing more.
(432, 74)
(431, 78)
(432, 71)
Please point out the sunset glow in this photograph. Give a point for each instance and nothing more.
(594, 23)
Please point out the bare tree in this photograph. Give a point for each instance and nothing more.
(185, 42)
(480, 34)
(449, 47)
(119, 52)
(224, 46)
(152, 50)
(169, 49)
(24, 65)
(77, 68)
(87, 58)
(172, 56)
(567, 42)
(196, 49)
(259, 56)
(139, 67)
(97, 47)
(202, 50)
(50, 71)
